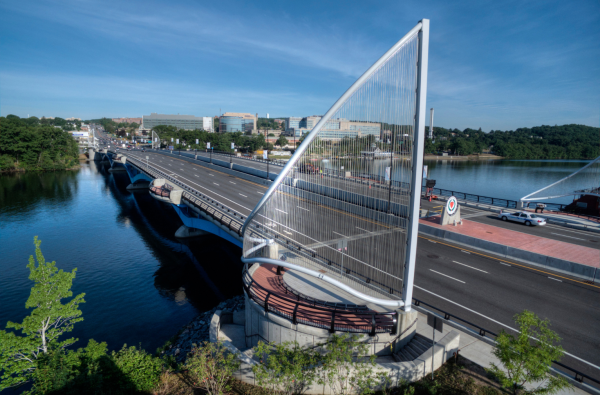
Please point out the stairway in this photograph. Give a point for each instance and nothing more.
(417, 346)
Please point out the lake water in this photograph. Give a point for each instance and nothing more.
(506, 179)
(141, 283)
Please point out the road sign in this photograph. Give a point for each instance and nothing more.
(424, 171)
(232, 145)
(265, 154)
(177, 141)
(196, 141)
(171, 139)
(387, 173)
(207, 145)
(451, 205)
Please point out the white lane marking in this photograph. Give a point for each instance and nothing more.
(281, 211)
(555, 279)
(215, 183)
(260, 193)
(243, 195)
(196, 175)
(431, 241)
(562, 229)
(338, 234)
(466, 252)
(570, 237)
(362, 229)
(505, 264)
(180, 168)
(232, 182)
(285, 231)
(497, 322)
(445, 275)
(301, 208)
(212, 175)
(470, 267)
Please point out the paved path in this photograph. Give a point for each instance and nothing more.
(524, 241)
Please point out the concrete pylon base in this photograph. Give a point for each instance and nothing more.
(184, 232)
(138, 186)
(407, 328)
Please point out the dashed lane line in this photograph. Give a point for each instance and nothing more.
(474, 268)
(243, 195)
(445, 275)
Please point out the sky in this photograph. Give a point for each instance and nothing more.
(495, 65)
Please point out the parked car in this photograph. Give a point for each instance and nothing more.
(523, 217)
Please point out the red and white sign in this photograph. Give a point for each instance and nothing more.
(451, 205)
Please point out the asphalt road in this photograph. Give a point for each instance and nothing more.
(549, 231)
(481, 288)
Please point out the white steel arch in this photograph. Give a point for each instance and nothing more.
(313, 213)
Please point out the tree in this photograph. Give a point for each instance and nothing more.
(41, 330)
(281, 141)
(527, 357)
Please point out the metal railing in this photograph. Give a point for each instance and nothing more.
(577, 375)
(331, 319)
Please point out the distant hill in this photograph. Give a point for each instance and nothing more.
(540, 142)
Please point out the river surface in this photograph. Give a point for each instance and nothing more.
(141, 283)
(505, 179)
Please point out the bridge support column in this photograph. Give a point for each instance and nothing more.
(406, 328)
(91, 154)
(184, 232)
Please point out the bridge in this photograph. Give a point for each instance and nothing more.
(327, 252)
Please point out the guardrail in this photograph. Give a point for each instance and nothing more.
(219, 212)
(331, 319)
(577, 375)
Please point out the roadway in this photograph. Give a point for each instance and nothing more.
(481, 288)
(549, 231)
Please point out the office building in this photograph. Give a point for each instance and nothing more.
(237, 122)
(334, 129)
(187, 122)
(128, 120)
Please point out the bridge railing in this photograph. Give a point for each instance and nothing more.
(223, 214)
(329, 318)
(490, 338)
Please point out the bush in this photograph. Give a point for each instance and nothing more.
(285, 367)
(135, 369)
(211, 367)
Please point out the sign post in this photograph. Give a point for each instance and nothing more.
(266, 157)
(438, 325)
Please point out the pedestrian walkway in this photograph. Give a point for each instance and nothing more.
(535, 244)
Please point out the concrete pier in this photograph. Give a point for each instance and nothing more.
(184, 232)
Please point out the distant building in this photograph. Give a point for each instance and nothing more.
(334, 129)
(187, 122)
(237, 122)
(128, 120)
(72, 119)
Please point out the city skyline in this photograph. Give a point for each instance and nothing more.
(498, 67)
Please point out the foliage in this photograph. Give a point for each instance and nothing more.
(134, 369)
(218, 141)
(31, 145)
(281, 141)
(285, 367)
(42, 328)
(527, 357)
(343, 366)
(541, 142)
(211, 367)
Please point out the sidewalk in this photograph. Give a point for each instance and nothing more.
(476, 350)
(571, 259)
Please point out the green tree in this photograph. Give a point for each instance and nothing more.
(527, 357)
(41, 330)
(281, 141)
(211, 367)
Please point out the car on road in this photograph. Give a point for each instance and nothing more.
(523, 217)
(308, 168)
